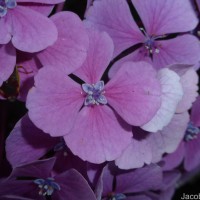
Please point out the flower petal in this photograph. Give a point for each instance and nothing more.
(114, 17)
(70, 49)
(7, 61)
(5, 36)
(100, 127)
(134, 92)
(70, 182)
(98, 57)
(172, 93)
(169, 16)
(54, 102)
(41, 1)
(183, 49)
(26, 143)
(195, 117)
(40, 32)
(137, 153)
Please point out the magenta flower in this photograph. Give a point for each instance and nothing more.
(160, 19)
(92, 114)
(40, 32)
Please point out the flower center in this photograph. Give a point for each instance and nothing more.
(47, 186)
(150, 43)
(191, 132)
(5, 5)
(118, 196)
(94, 93)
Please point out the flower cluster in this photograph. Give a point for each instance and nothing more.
(112, 100)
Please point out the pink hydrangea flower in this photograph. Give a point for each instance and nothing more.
(92, 114)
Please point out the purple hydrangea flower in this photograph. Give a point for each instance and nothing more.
(41, 183)
(118, 184)
(95, 123)
(114, 17)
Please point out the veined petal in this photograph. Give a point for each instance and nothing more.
(54, 102)
(70, 49)
(98, 127)
(134, 92)
(114, 17)
(31, 34)
(172, 93)
(169, 16)
(195, 117)
(183, 49)
(98, 56)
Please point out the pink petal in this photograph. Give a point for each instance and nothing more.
(98, 57)
(70, 49)
(54, 102)
(137, 55)
(171, 95)
(174, 132)
(134, 92)
(98, 127)
(40, 32)
(114, 17)
(189, 83)
(183, 49)
(169, 16)
(136, 154)
(44, 9)
(7, 61)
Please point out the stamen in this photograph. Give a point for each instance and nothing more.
(95, 93)
(5, 5)
(118, 196)
(191, 132)
(47, 186)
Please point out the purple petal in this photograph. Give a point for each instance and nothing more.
(40, 32)
(182, 49)
(26, 143)
(7, 61)
(98, 126)
(130, 95)
(140, 180)
(54, 102)
(169, 16)
(114, 17)
(174, 159)
(5, 36)
(73, 187)
(138, 197)
(98, 57)
(171, 95)
(70, 49)
(195, 117)
(39, 169)
(192, 154)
